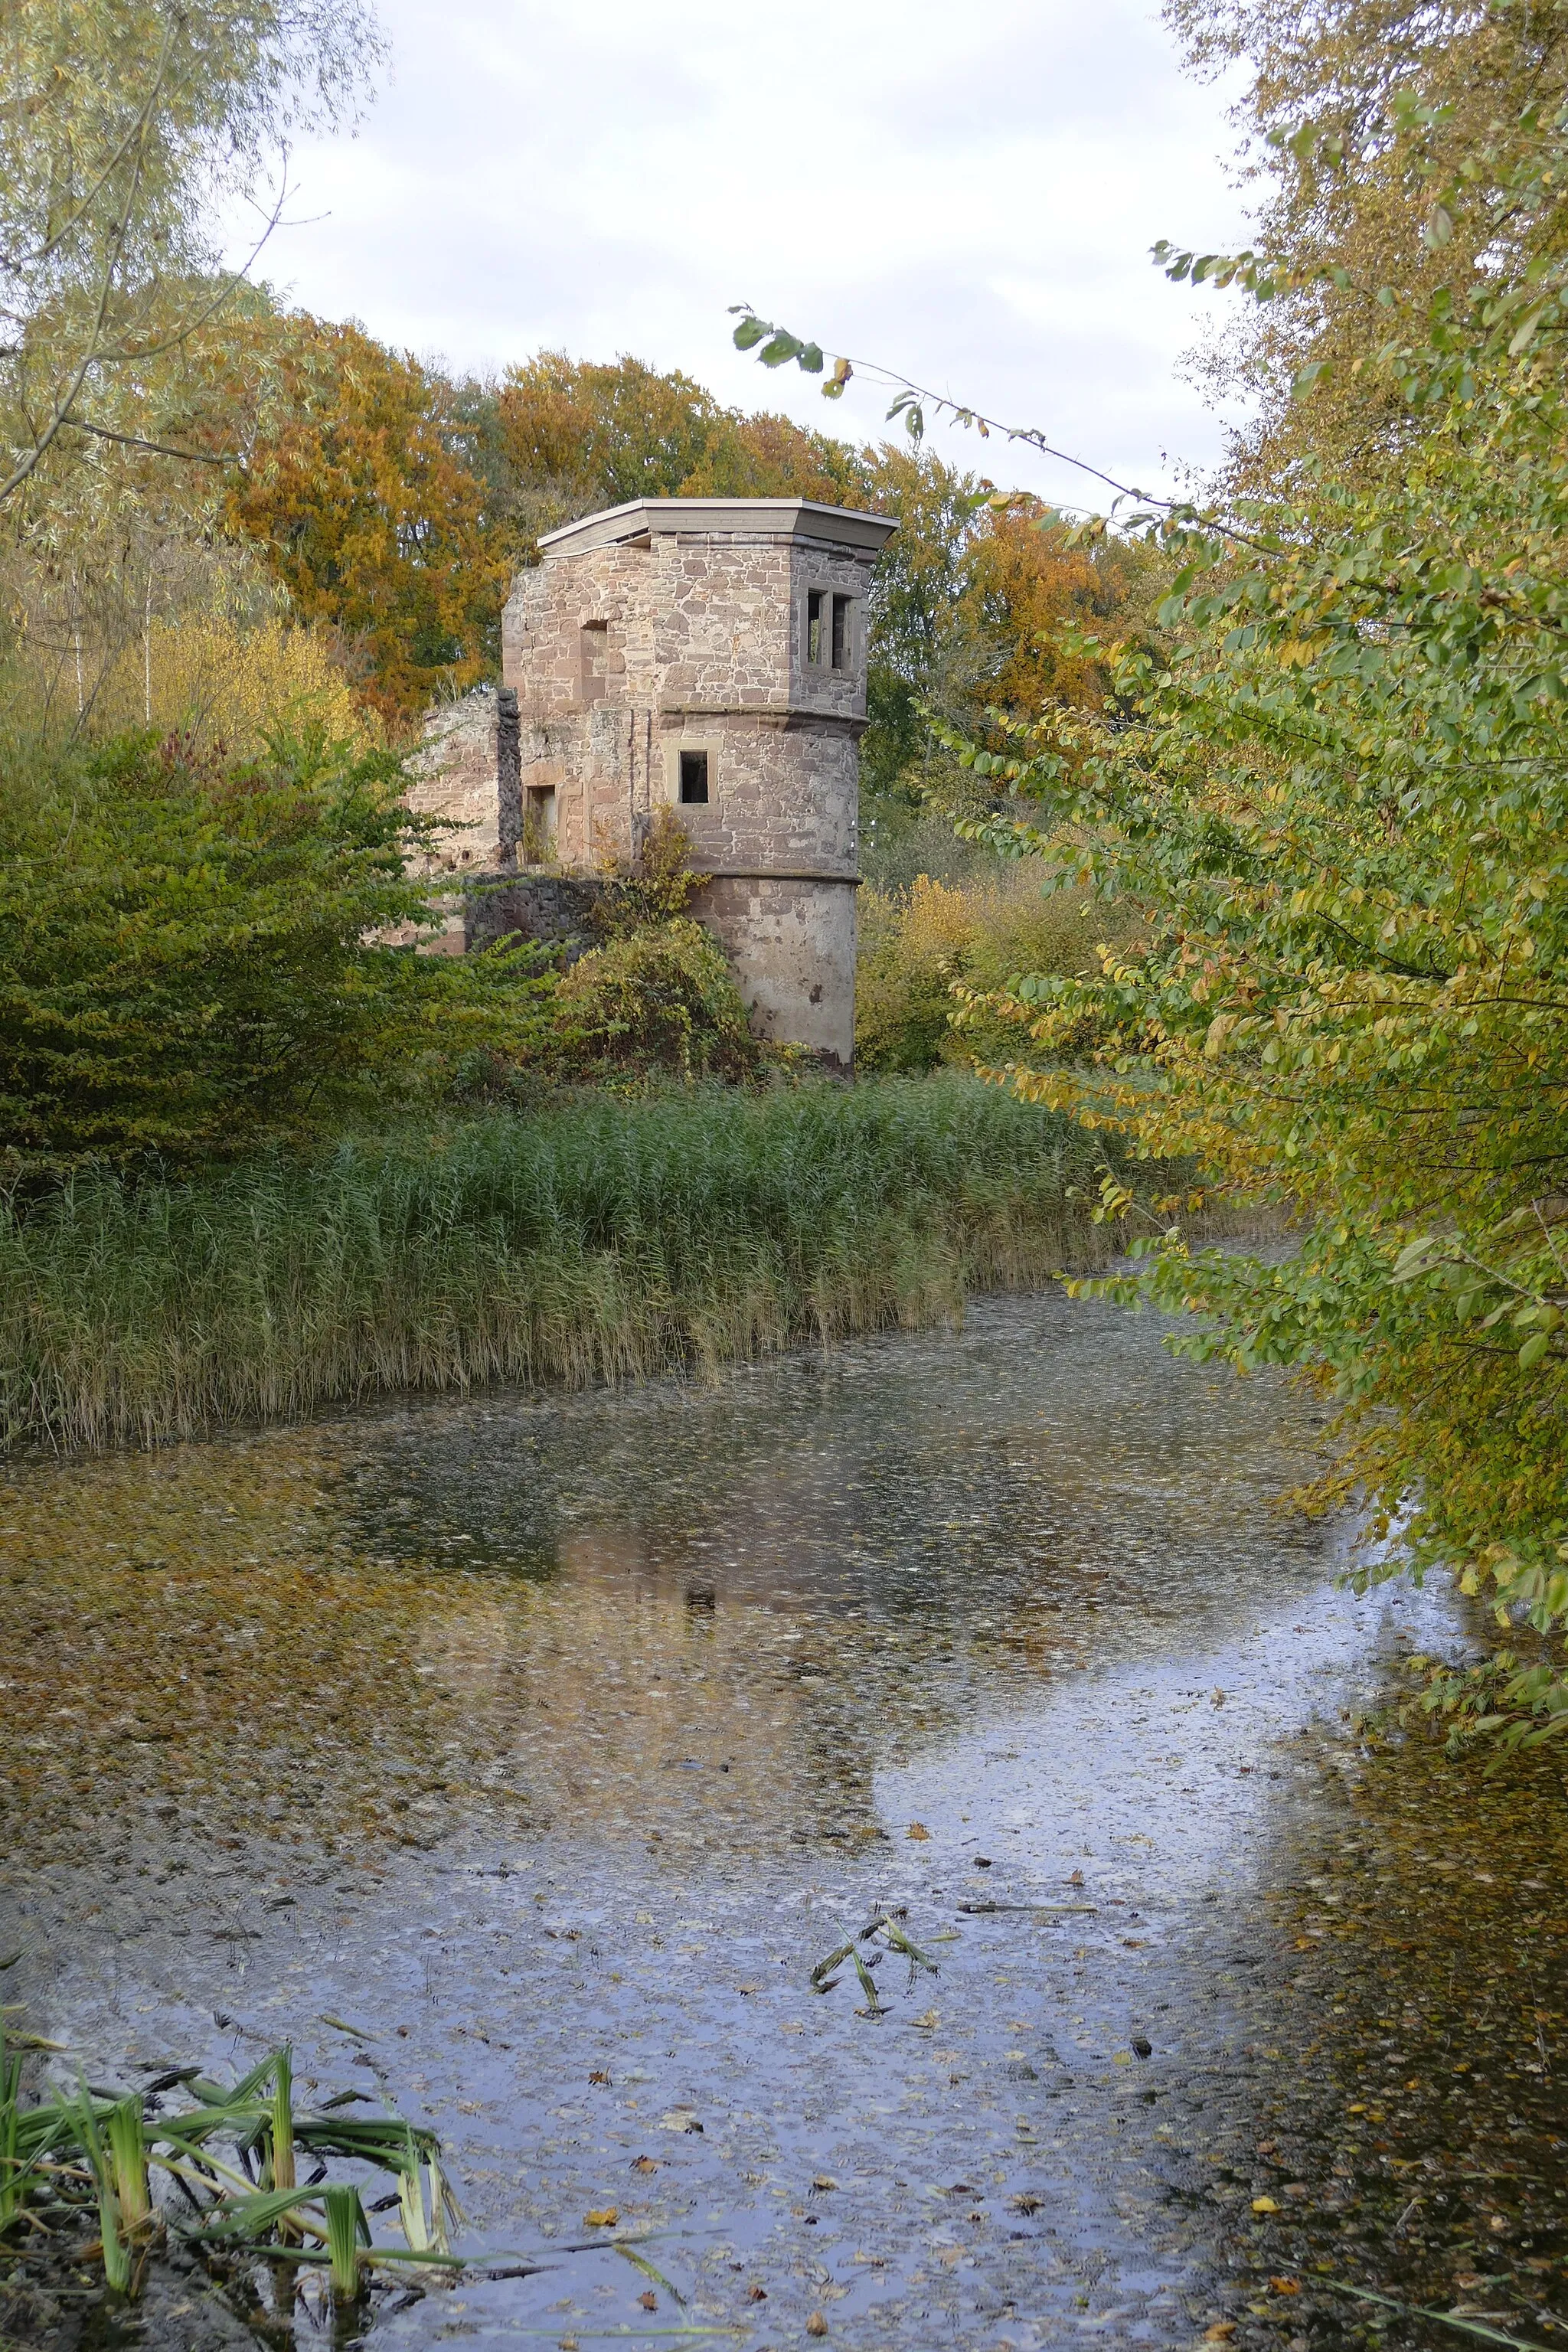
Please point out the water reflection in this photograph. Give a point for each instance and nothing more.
(550, 1741)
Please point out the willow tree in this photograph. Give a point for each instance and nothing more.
(127, 128)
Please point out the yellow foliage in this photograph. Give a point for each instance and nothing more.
(206, 676)
(980, 935)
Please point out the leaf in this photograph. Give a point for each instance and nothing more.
(602, 2216)
(918, 1830)
(751, 331)
(1525, 332)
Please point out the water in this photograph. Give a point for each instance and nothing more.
(517, 1758)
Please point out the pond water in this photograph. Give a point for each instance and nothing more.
(516, 1759)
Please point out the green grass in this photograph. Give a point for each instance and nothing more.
(587, 1240)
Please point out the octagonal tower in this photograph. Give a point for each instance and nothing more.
(708, 654)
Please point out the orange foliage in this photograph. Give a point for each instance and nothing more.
(610, 432)
(1026, 585)
(606, 433)
(367, 513)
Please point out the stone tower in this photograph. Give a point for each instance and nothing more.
(707, 655)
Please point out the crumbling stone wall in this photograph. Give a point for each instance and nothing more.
(456, 778)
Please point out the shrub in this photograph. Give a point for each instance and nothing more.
(972, 936)
(189, 956)
(659, 998)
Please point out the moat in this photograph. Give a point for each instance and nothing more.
(517, 1758)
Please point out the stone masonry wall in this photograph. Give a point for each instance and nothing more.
(456, 778)
(623, 650)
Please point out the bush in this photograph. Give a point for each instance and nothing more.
(977, 935)
(189, 952)
(658, 999)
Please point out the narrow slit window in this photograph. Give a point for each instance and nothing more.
(841, 632)
(694, 778)
(815, 600)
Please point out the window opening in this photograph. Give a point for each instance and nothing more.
(694, 778)
(538, 825)
(815, 600)
(841, 632)
(595, 650)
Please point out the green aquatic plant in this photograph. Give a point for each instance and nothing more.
(347, 2231)
(104, 2170)
(16, 2169)
(88, 2150)
(602, 1241)
(883, 1928)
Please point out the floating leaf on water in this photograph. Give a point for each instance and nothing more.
(916, 1830)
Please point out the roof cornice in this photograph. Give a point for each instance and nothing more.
(786, 518)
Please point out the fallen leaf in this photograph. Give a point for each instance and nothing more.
(679, 2119)
(1025, 2203)
(928, 2022)
(816, 2324)
(599, 2075)
(1286, 2286)
(1264, 2205)
(1220, 2333)
(648, 2300)
(915, 1830)
(756, 2294)
(823, 2180)
(644, 2164)
(602, 2216)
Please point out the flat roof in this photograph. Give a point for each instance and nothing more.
(722, 518)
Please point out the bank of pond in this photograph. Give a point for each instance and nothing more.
(586, 1238)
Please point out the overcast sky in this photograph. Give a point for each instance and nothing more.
(965, 192)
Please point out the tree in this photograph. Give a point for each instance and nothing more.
(1357, 207)
(124, 126)
(1342, 810)
(189, 958)
(356, 491)
(1336, 801)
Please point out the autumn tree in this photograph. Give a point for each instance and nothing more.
(358, 494)
(1334, 90)
(125, 125)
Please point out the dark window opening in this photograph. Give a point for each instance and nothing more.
(694, 778)
(841, 632)
(815, 600)
(538, 825)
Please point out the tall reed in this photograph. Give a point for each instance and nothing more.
(588, 1240)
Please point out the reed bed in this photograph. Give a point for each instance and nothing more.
(586, 1241)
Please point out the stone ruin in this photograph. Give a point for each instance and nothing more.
(704, 655)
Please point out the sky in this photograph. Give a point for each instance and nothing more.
(964, 191)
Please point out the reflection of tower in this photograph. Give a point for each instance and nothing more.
(710, 654)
